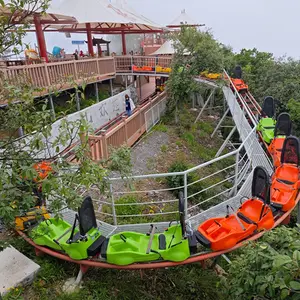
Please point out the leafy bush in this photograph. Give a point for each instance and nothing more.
(267, 269)
(178, 180)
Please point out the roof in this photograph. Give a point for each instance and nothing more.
(167, 48)
(103, 16)
(19, 16)
(183, 19)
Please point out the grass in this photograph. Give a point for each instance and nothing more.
(164, 148)
(161, 127)
(189, 143)
(182, 282)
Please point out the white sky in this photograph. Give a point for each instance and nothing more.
(269, 25)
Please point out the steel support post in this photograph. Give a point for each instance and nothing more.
(185, 196)
(52, 107)
(220, 122)
(40, 38)
(97, 91)
(89, 39)
(113, 204)
(111, 87)
(204, 106)
(236, 177)
(77, 100)
(226, 141)
(298, 213)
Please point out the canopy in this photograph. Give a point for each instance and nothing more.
(183, 19)
(167, 48)
(20, 16)
(103, 16)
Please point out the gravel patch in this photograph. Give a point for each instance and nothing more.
(144, 154)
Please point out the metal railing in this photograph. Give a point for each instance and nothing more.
(204, 186)
(208, 188)
(150, 65)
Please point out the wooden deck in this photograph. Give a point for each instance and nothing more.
(47, 78)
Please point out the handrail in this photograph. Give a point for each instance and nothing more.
(191, 169)
(241, 99)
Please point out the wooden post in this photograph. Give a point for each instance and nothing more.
(104, 144)
(98, 67)
(125, 128)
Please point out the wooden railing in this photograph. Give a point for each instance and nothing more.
(126, 132)
(61, 75)
(57, 76)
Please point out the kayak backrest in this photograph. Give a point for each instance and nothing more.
(182, 213)
(290, 151)
(268, 109)
(261, 184)
(283, 125)
(87, 218)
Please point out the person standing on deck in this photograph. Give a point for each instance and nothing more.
(128, 105)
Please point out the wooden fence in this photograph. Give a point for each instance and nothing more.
(125, 132)
(49, 77)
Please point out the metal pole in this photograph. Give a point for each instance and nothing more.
(52, 106)
(40, 38)
(226, 141)
(20, 132)
(89, 39)
(113, 204)
(298, 213)
(220, 122)
(126, 82)
(111, 87)
(77, 100)
(140, 87)
(185, 196)
(97, 91)
(236, 173)
(205, 104)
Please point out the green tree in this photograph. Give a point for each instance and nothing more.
(19, 178)
(15, 19)
(195, 52)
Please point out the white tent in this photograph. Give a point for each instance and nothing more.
(183, 19)
(102, 15)
(167, 48)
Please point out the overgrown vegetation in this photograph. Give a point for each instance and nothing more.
(267, 269)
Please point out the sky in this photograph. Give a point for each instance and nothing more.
(268, 25)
